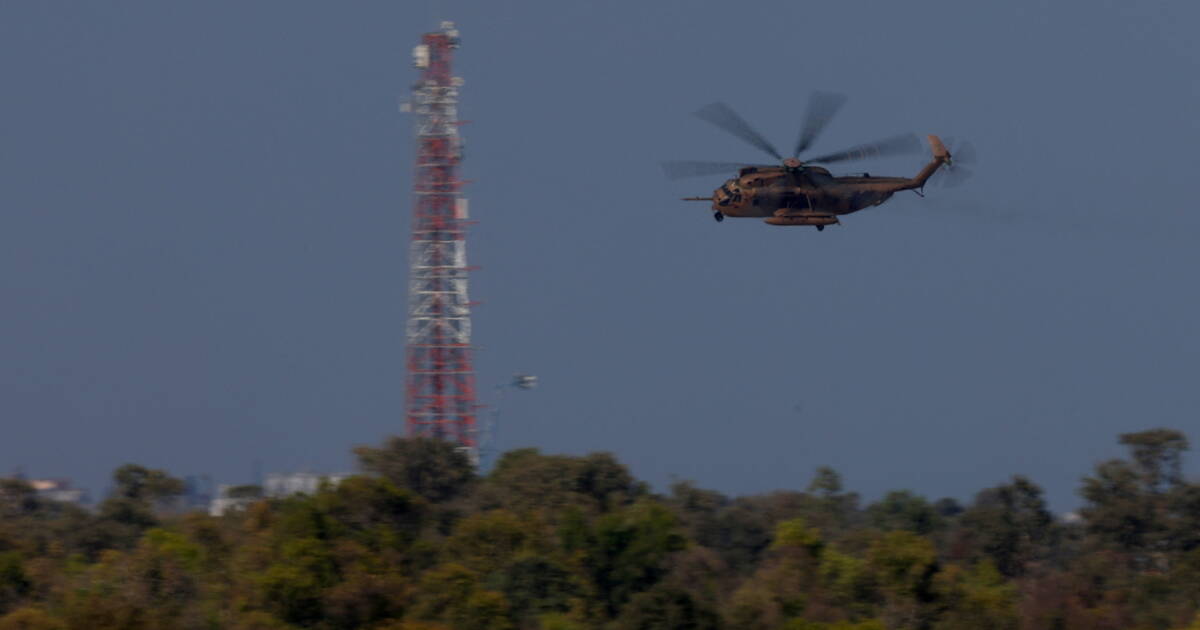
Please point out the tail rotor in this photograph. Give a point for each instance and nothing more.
(955, 171)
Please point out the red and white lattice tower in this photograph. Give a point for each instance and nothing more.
(440, 393)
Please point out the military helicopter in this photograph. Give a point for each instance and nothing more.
(798, 192)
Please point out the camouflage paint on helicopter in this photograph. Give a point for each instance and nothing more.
(799, 192)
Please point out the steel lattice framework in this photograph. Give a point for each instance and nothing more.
(440, 392)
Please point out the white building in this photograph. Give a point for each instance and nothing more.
(275, 486)
(279, 485)
(58, 490)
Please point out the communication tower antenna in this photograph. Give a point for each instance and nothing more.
(440, 385)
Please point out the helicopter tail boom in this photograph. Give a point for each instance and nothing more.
(940, 156)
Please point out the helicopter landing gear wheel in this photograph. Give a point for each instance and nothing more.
(820, 228)
(718, 216)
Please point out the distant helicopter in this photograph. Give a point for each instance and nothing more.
(798, 192)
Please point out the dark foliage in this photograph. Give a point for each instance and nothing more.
(555, 542)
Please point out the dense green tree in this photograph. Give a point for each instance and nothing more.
(738, 530)
(826, 483)
(454, 595)
(489, 541)
(979, 599)
(667, 608)
(1183, 524)
(17, 498)
(1143, 507)
(627, 551)
(905, 565)
(434, 469)
(1010, 525)
(1157, 456)
(536, 585)
(550, 542)
(848, 582)
(699, 512)
(787, 583)
(754, 605)
(947, 507)
(371, 511)
(526, 480)
(138, 498)
(701, 572)
(14, 582)
(30, 619)
(293, 587)
(257, 620)
(834, 508)
(363, 595)
(1118, 512)
(796, 534)
(144, 484)
(804, 624)
(901, 509)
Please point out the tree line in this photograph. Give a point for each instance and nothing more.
(420, 541)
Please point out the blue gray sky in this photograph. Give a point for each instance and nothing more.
(204, 218)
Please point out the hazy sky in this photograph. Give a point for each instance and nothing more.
(204, 212)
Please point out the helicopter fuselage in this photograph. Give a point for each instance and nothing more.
(798, 194)
(765, 192)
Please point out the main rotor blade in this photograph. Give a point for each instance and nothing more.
(822, 106)
(679, 169)
(896, 145)
(724, 117)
